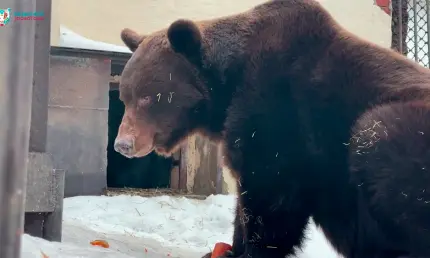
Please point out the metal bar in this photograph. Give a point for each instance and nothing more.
(400, 26)
(16, 89)
(78, 108)
(118, 57)
(428, 32)
(39, 109)
(415, 31)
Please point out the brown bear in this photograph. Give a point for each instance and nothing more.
(390, 163)
(285, 89)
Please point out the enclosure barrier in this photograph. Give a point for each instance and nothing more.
(417, 36)
(410, 29)
(17, 46)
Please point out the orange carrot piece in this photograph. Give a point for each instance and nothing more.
(220, 249)
(101, 243)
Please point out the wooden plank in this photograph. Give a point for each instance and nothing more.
(219, 173)
(199, 166)
(206, 158)
(174, 173)
(183, 168)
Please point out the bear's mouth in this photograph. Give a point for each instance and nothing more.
(144, 142)
(144, 148)
(163, 152)
(144, 152)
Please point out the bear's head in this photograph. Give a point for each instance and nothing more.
(164, 94)
(183, 79)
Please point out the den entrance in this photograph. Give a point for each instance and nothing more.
(152, 171)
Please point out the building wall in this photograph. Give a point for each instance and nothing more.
(103, 20)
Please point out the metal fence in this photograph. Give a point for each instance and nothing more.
(410, 29)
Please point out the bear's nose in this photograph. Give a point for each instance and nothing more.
(123, 146)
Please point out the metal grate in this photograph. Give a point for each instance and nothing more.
(417, 37)
(410, 29)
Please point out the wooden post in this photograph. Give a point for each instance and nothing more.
(174, 173)
(15, 99)
(219, 175)
(199, 166)
(183, 164)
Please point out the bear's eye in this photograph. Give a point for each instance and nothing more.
(144, 101)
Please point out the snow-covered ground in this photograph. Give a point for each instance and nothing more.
(69, 38)
(155, 227)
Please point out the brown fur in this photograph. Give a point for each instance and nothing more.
(389, 162)
(281, 86)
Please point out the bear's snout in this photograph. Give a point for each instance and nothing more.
(124, 146)
(135, 137)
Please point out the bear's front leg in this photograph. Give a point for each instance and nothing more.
(274, 190)
(274, 227)
(238, 246)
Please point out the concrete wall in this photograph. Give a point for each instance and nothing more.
(78, 122)
(103, 20)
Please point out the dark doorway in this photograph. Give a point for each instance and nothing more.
(152, 171)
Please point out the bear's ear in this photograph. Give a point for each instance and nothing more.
(131, 39)
(185, 38)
